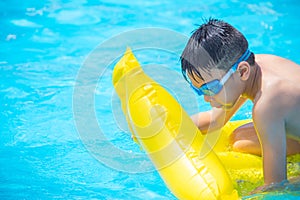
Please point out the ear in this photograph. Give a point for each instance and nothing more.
(244, 70)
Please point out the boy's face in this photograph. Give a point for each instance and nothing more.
(229, 93)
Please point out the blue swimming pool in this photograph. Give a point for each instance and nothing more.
(62, 133)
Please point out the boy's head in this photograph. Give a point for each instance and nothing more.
(214, 45)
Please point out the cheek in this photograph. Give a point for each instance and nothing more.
(228, 96)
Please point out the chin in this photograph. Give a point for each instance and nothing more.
(227, 107)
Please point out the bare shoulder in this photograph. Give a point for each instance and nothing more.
(267, 107)
(273, 59)
(277, 69)
(279, 97)
(270, 57)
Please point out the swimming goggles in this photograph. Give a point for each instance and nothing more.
(215, 86)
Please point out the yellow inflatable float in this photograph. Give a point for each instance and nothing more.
(193, 166)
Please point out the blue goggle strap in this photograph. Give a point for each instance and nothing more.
(244, 57)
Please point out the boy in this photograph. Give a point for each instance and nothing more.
(218, 64)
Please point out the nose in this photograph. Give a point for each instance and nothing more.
(207, 98)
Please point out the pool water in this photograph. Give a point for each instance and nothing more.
(55, 67)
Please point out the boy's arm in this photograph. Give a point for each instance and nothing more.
(271, 132)
(216, 118)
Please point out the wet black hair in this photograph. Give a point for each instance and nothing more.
(215, 44)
